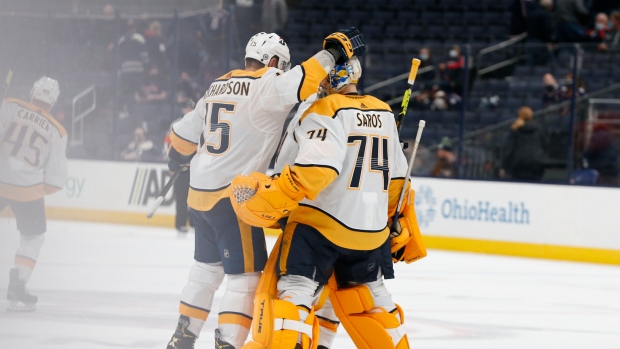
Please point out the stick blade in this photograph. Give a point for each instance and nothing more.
(154, 207)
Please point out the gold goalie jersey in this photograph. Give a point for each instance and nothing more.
(353, 139)
(236, 125)
(33, 149)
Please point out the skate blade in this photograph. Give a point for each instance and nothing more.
(19, 307)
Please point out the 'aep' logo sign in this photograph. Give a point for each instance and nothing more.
(147, 184)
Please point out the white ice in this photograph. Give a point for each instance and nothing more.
(118, 286)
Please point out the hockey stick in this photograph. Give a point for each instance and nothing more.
(415, 64)
(163, 193)
(407, 178)
(7, 82)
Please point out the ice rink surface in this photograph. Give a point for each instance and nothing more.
(116, 286)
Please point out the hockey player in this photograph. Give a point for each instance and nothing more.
(347, 173)
(33, 160)
(235, 129)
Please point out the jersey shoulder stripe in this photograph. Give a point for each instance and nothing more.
(38, 110)
(330, 106)
(243, 74)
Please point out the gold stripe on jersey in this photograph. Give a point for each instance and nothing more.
(25, 261)
(246, 245)
(285, 247)
(193, 311)
(203, 200)
(38, 110)
(396, 186)
(182, 145)
(335, 231)
(331, 104)
(241, 74)
(311, 179)
(313, 75)
(50, 189)
(22, 194)
(232, 318)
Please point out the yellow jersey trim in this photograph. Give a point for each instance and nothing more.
(38, 110)
(336, 231)
(205, 200)
(330, 105)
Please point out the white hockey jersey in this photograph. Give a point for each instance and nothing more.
(236, 125)
(353, 141)
(33, 148)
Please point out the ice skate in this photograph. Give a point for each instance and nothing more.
(17, 295)
(220, 344)
(182, 338)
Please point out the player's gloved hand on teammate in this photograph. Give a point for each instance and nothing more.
(344, 44)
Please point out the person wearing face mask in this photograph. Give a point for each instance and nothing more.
(600, 32)
(140, 149)
(450, 72)
(613, 39)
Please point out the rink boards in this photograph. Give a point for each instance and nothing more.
(545, 221)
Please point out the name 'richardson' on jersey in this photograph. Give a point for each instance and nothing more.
(230, 87)
(34, 118)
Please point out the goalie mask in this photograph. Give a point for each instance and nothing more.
(344, 74)
(45, 90)
(264, 46)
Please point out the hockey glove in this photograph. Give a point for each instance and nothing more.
(178, 161)
(344, 44)
(406, 240)
(259, 199)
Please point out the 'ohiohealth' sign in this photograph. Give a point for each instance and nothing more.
(518, 212)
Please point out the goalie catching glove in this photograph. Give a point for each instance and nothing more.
(406, 239)
(260, 200)
(344, 44)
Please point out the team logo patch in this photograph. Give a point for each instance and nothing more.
(370, 267)
(226, 253)
(425, 202)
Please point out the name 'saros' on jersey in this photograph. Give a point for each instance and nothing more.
(239, 88)
(369, 120)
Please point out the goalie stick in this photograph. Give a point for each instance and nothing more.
(415, 64)
(7, 83)
(163, 193)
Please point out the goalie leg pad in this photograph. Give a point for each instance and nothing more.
(368, 324)
(288, 326)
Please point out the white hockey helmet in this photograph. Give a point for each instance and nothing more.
(264, 46)
(45, 90)
(344, 74)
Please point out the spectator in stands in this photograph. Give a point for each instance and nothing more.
(188, 87)
(602, 155)
(451, 72)
(569, 15)
(140, 149)
(540, 33)
(275, 14)
(567, 87)
(133, 60)
(599, 33)
(613, 39)
(153, 88)
(551, 91)
(156, 45)
(445, 165)
(524, 155)
(425, 57)
(520, 15)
